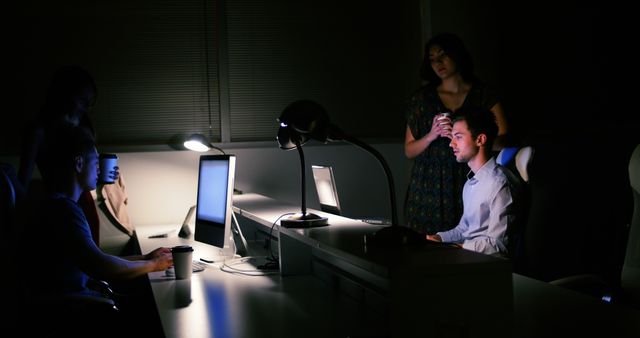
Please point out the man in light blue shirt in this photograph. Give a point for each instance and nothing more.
(489, 193)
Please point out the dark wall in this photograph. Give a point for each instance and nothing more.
(566, 71)
(158, 81)
(563, 67)
(567, 74)
(581, 206)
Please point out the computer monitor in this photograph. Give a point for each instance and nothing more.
(216, 176)
(328, 194)
(326, 187)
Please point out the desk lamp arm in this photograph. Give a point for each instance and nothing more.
(387, 172)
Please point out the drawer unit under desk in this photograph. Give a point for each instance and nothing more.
(442, 282)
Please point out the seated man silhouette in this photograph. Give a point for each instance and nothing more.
(490, 192)
(60, 236)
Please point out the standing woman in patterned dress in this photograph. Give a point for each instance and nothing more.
(434, 197)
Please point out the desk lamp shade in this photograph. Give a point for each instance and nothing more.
(197, 142)
(300, 121)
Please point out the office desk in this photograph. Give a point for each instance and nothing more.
(338, 289)
(545, 310)
(536, 308)
(344, 243)
(402, 282)
(220, 304)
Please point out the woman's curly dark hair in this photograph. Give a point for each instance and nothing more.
(455, 49)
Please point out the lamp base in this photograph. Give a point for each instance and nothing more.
(304, 221)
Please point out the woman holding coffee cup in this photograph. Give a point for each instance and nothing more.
(434, 197)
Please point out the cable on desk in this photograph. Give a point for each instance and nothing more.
(252, 272)
(273, 257)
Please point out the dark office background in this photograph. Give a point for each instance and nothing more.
(165, 69)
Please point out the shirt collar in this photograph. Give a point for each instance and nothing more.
(484, 170)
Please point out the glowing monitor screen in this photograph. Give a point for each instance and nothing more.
(215, 197)
(326, 187)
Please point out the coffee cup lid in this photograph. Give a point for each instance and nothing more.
(182, 248)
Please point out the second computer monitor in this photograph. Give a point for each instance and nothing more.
(216, 176)
(326, 187)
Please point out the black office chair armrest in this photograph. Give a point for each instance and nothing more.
(102, 287)
(589, 284)
(70, 315)
(92, 301)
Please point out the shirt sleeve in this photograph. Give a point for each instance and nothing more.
(454, 235)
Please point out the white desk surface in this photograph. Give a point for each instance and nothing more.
(344, 237)
(220, 304)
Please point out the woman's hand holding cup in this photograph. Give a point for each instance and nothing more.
(444, 124)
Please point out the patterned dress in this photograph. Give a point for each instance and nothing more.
(434, 197)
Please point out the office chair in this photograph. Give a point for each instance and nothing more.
(630, 279)
(628, 292)
(15, 214)
(517, 161)
(68, 314)
(506, 155)
(7, 201)
(8, 212)
(7, 228)
(17, 297)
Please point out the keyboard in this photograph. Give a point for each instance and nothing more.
(376, 221)
(197, 266)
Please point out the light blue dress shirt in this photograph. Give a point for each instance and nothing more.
(489, 209)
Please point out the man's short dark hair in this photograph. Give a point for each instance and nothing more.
(61, 147)
(479, 121)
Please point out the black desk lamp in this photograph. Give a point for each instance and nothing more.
(297, 125)
(303, 120)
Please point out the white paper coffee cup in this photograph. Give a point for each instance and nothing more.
(442, 117)
(108, 164)
(182, 261)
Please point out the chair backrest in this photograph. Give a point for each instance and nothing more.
(8, 232)
(517, 161)
(506, 155)
(6, 186)
(524, 156)
(630, 278)
(7, 203)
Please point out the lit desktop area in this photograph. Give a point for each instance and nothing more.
(238, 300)
(345, 294)
(329, 280)
(323, 289)
(239, 297)
(333, 281)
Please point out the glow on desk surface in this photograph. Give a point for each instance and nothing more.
(215, 303)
